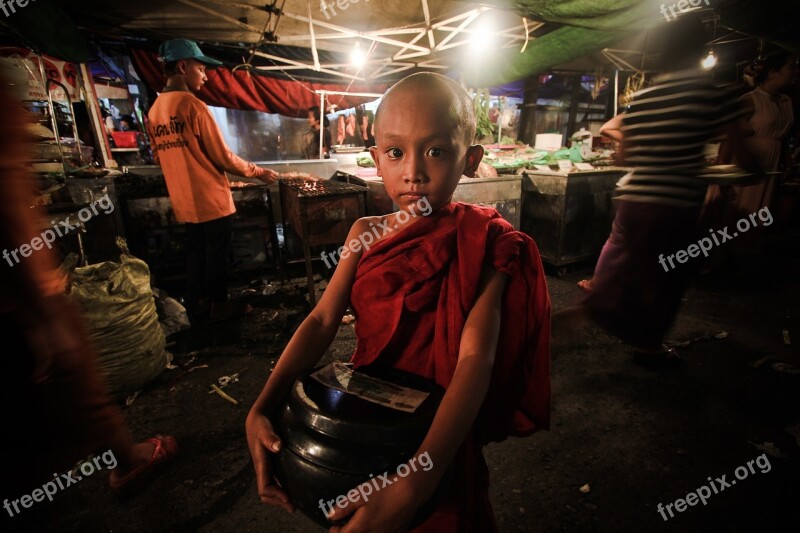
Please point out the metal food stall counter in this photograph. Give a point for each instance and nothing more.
(504, 193)
(569, 214)
(157, 238)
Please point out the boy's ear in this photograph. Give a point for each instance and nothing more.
(182, 66)
(373, 151)
(474, 157)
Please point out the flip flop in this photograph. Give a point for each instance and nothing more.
(585, 285)
(166, 448)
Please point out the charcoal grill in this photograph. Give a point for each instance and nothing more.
(320, 212)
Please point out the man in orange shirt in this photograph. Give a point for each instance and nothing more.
(188, 145)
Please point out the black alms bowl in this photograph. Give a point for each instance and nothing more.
(333, 441)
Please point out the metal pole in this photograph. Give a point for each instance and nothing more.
(616, 92)
(72, 116)
(500, 120)
(321, 122)
(348, 93)
(53, 121)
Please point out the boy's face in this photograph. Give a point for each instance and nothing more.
(420, 152)
(194, 73)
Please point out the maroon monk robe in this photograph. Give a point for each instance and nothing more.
(412, 294)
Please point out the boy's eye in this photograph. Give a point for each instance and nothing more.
(435, 152)
(394, 153)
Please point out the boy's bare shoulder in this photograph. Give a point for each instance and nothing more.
(365, 223)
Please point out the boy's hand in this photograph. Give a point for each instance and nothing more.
(263, 441)
(390, 509)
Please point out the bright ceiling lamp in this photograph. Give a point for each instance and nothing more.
(357, 56)
(482, 38)
(710, 60)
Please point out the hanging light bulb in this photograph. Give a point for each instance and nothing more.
(357, 57)
(710, 60)
(483, 38)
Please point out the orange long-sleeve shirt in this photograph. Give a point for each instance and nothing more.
(188, 145)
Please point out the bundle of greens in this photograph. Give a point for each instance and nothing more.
(481, 105)
(365, 161)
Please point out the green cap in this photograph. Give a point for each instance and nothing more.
(177, 49)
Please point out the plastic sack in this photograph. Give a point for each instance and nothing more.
(172, 314)
(120, 315)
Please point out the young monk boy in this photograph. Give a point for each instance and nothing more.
(457, 296)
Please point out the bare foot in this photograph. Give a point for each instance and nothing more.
(586, 285)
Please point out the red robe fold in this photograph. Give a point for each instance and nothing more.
(412, 294)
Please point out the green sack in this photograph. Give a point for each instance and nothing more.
(119, 311)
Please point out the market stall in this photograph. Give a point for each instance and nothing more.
(504, 193)
(569, 214)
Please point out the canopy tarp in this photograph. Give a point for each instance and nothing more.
(591, 25)
(242, 90)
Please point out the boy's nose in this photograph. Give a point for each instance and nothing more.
(413, 171)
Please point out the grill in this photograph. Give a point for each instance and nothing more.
(305, 188)
(319, 212)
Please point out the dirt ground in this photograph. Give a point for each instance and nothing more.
(624, 438)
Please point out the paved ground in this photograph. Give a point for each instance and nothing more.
(633, 437)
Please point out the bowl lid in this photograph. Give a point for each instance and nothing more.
(340, 415)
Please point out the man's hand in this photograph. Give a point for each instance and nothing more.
(262, 441)
(267, 176)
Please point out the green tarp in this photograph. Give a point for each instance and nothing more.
(591, 25)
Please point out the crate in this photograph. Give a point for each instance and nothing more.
(126, 139)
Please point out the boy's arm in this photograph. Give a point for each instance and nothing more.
(454, 418)
(470, 383)
(305, 348)
(214, 145)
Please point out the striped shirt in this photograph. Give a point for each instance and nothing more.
(666, 129)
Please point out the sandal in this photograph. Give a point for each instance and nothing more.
(166, 448)
(586, 285)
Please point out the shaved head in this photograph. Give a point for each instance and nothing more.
(432, 87)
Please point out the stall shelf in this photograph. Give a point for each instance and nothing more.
(94, 239)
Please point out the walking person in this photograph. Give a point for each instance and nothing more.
(57, 410)
(663, 133)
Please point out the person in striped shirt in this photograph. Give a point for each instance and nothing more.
(663, 134)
